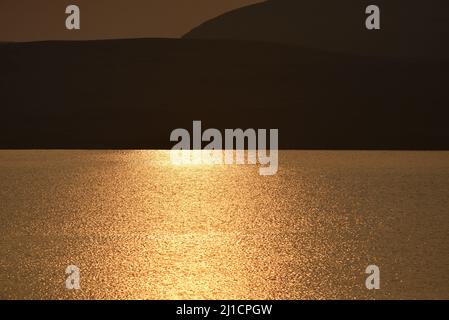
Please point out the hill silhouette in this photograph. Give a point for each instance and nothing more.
(133, 93)
(408, 28)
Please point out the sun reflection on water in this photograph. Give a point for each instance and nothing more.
(139, 226)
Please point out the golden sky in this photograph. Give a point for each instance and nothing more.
(30, 20)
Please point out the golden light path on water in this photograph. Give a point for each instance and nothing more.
(139, 226)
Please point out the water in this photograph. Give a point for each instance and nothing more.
(139, 227)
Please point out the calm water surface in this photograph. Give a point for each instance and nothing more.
(139, 227)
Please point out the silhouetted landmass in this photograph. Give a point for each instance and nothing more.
(408, 28)
(133, 93)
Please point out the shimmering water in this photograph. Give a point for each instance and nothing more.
(139, 227)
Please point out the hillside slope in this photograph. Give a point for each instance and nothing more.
(408, 28)
(133, 93)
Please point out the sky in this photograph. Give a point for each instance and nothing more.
(34, 20)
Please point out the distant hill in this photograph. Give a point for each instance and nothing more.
(408, 28)
(133, 93)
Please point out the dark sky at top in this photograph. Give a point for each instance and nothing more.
(31, 20)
